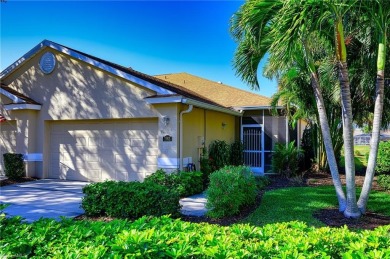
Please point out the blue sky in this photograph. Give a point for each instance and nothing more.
(152, 37)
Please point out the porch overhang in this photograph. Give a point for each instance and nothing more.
(189, 101)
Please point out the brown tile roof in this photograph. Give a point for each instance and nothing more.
(27, 100)
(220, 93)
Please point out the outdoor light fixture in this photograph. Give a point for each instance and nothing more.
(224, 125)
(165, 120)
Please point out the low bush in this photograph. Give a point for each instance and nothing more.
(129, 199)
(383, 160)
(285, 159)
(164, 237)
(383, 181)
(14, 166)
(262, 182)
(230, 189)
(185, 183)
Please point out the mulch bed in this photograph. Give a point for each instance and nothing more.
(5, 182)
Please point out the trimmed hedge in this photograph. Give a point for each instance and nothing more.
(230, 189)
(383, 181)
(185, 183)
(129, 200)
(383, 161)
(14, 166)
(164, 237)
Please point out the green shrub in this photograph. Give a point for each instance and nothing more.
(150, 237)
(14, 166)
(383, 160)
(219, 154)
(230, 189)
(308, 145)
(237, 153)
(285, 159)
(205, 167)
(262, 182)
(383, 181)
(185, 183)
(129, 199)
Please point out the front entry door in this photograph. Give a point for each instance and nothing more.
(253, 139)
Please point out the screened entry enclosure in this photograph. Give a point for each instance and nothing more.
(260, 131)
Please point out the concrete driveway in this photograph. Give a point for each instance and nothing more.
(46, 198)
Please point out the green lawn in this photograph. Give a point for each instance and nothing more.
(299, 203)
(361, 156)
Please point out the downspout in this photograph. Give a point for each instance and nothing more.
(181, 134)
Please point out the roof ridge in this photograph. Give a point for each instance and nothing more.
(225, 85)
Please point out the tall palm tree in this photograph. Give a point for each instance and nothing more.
(379, 13)
(283, 29)
(336, 10)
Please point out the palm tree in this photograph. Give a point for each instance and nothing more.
(282, 29)
(379, 13)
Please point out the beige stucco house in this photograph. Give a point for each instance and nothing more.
(75, 116)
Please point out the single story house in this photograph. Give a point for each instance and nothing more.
(75, 116)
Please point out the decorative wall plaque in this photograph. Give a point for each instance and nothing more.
(47, 62)
(167, 138)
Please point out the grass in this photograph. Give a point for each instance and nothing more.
(361, 154)
(299, 203)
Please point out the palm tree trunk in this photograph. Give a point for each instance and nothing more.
(352, 210)
(375, 138)
(328, 143)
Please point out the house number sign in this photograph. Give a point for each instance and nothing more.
(167, 138)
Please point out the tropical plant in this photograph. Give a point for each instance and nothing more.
(164, 237)
(286, 29)
(219, 154)
(237, 153)
(379, 20)
(286, 158)
(282, 29)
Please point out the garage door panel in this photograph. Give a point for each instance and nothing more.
(139, 151)
(124, 150)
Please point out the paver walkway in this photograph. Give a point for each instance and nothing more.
(194, 205)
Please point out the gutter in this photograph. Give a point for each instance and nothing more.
(190, 107)
(189, 101)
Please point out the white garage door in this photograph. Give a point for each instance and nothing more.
(7, 140)
(124, 150)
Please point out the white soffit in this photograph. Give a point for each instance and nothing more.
(22, 106)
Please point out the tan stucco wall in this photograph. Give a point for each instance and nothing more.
(168, 149)
(77, 91)
(215, 130)
(201, 124)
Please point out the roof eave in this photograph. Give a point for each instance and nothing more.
(189, 101)
(88, 60)
(255, 107)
